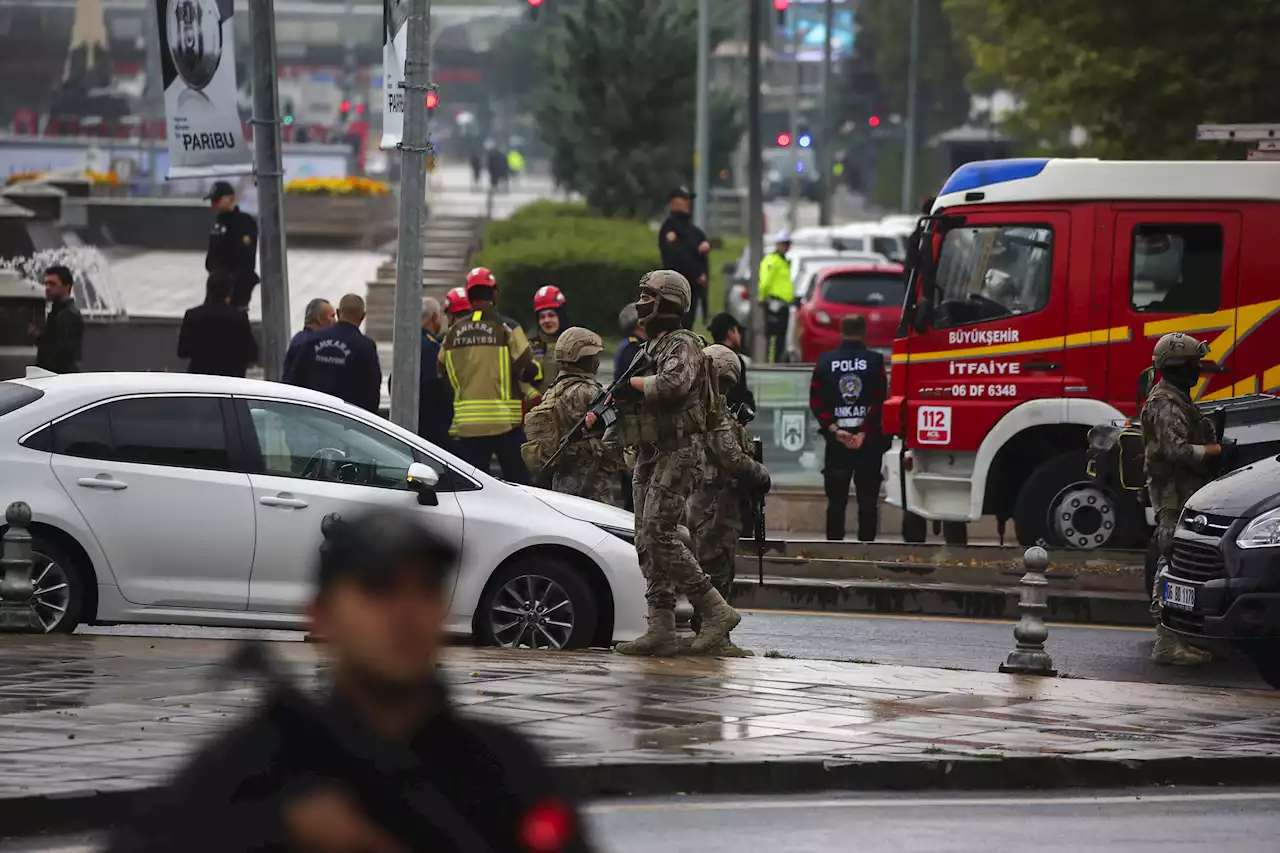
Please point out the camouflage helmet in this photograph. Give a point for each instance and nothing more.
(1177, 348)
(668, 286)
(577, 343)
(627, 318)
(726, 363)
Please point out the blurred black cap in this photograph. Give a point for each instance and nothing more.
(721, 325)
(220, 189)
(680, 192)
(373, 547)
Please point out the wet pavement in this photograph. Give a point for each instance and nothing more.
(109, 714)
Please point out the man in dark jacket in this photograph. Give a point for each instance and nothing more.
(427, 776)
(233, 243)
(725, 329)
(435, 397)
(216, 337)
(58, 343)
(685, 249)
(318, 316)
(341, 361)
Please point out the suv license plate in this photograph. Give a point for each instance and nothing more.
(1179, 595)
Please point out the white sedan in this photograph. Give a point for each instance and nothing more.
(184, 499)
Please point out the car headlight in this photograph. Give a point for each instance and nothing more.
(625, 534)
(1262, 532)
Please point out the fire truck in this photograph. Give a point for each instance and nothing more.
(1036, 292)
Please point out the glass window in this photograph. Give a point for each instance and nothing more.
(890, 247)
(14, 396)
(863, 289)
(989, 272)
(87, 434)
(315, 444)
(181, 432)
(1177, 269)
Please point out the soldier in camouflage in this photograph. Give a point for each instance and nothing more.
(717, 511)
(664, 417)
(1181, 456)
(588, 468)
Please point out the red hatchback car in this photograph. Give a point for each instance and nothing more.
(875, 291)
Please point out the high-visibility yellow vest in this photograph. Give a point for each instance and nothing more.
(482, 356)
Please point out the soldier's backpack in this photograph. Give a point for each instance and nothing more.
(542, 434)
(1117, 455)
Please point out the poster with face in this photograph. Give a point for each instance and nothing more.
(395, 37)
(198, 69)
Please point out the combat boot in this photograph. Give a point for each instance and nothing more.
(718, 619)
(1170, 650)
(659, 640)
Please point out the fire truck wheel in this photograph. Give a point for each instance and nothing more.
(1061, 507)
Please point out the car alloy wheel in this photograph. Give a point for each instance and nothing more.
(531, 612)
(50, 593)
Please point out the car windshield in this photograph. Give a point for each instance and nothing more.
(14, 396)
(863, 288)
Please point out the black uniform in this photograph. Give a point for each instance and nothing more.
(435, 397)
(740, 394)
(61, 339)
(296, 345)
(231, 798)
(218, 339)
(678, 241)
(343, 362)
(847, 391)
(233, 248)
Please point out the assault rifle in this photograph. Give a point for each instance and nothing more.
(604, 406)
(757, 453)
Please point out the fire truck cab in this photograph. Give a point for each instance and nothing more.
(1037, 290)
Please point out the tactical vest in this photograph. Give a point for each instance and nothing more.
(541, 431)
(1201, 431)
(670, 424)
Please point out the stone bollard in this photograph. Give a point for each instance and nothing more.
(1029, 656)
(16, 585)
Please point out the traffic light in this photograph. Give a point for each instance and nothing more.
(344, 107)
(432, 101)
(803, 137)
(781, 6)
(784, 139)
(874, 121)
(534, 6)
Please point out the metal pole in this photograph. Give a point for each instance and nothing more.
(909, 140)
(755, 175)
(154, 98)
(702, 124)
(270, 175)
(825, 133)
(406, 338)
(795, 126)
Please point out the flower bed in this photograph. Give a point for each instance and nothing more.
(355, 211)
(345, 187)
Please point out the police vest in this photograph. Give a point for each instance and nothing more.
(848, 374)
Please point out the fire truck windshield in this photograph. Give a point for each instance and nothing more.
(988, 272)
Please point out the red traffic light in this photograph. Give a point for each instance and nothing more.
(533, 4)
(784, 139)
(345, 107)
(432, 100)
(874, 121)
(781, 5)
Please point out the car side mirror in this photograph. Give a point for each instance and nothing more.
(423, 479)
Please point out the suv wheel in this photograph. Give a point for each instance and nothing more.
(539, 603)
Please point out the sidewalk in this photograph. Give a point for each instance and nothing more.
(87, 724)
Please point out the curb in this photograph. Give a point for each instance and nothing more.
(91, 810)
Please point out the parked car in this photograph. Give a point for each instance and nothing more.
(874, 290)
(185, 499)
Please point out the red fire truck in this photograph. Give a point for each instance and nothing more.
(1038, 290)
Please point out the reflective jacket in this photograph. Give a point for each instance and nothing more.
(484, 358)
(775, 279)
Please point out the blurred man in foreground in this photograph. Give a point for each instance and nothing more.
(275, 783)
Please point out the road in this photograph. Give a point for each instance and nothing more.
(1230, 821)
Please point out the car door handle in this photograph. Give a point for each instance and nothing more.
(283, 501)
(102, 481)
(1042, 365)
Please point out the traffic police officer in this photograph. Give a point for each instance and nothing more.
(685, 248)
(341, 361)
(1181, 456)
(846, 394)
(776, 294)
(233, 243)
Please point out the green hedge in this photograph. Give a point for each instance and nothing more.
(581, 229)
(550, 209)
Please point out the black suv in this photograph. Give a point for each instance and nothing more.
(1223, 581)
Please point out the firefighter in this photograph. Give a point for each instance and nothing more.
(548, 308)
(456, 304)
(486, 357)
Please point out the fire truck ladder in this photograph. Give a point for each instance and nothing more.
(1266, 135)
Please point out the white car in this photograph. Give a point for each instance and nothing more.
(185, 499)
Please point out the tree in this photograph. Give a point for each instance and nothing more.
(1138, 79)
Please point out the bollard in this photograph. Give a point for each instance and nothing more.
(1029, 656)
(16, 587)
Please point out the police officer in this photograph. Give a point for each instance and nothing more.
(1181, 456)
(685, 248)
(548, 308)
(846, 394)
(283, 780)
(718, 510)
(776, 294)
(664, 417)
(233, 243)
(341, 361)
(588, 467)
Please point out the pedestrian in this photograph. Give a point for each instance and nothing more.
(318, 316)
(1181, 456)
(486, 357)
(217, 338)
(633, 338)
(846, 395)
(456, 304)
(233, 244)
(776, 294)
(587, 467)
(725, 330)
(515, 164)
(549, 309)
(303, 775)
(341, 361)
(685, 249)
(477, 169)
(435, 397)
(675, 406)
(59, 342)
(735, 480)
(496, 162)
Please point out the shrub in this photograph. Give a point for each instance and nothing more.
(583, 229)
(551, 209)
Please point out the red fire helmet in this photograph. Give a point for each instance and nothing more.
(548, 297)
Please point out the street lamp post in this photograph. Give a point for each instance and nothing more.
(702, 128)
(909, 140)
